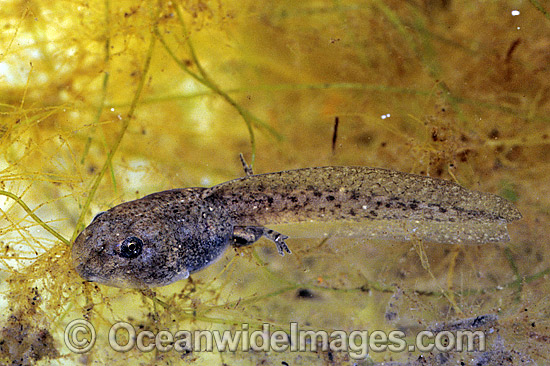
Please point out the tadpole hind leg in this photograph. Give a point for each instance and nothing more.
(247, 235)
(247, 168)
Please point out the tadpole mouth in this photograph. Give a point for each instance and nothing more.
(81, 268)
(80, 256)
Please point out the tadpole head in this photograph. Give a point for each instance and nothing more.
(124, 249)
(153, 241)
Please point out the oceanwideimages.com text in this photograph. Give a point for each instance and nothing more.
(80, 337)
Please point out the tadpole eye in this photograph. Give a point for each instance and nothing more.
(131, 247)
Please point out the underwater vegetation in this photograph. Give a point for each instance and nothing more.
(105, 102)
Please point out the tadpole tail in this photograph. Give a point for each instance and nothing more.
(371, 195)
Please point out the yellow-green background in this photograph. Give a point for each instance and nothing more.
(176, 90)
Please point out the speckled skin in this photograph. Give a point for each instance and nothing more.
(185, 230)
(336, 193)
